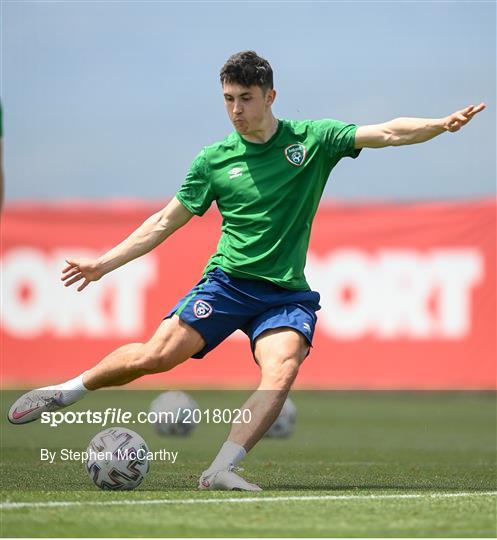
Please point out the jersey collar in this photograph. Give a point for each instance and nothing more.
(267, 143)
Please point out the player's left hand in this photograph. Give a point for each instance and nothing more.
(455, 121)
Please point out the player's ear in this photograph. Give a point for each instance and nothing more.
(270, 96)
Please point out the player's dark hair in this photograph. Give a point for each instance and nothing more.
(246, 68)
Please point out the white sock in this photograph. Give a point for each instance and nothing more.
(230, 454)
(73, 390)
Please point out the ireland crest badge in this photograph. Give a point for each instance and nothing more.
(295, 154)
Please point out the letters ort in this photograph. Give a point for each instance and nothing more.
(396, 293)
(392, 294)
(46, 306)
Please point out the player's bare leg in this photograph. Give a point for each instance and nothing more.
(173, 343)
(279, 353)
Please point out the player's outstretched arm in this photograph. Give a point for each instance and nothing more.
(148, 236)
(402, 131)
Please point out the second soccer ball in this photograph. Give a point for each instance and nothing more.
(284, 425)
(173, 412)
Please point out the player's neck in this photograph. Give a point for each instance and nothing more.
(263, 134)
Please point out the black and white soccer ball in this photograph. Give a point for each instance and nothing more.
(118, 459)
(174, 413)
(284, 425)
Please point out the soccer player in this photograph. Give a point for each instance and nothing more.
(267, 178)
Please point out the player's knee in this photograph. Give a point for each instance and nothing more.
(280, 374)
(152, 360)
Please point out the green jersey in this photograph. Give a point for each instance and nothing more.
(268, 195)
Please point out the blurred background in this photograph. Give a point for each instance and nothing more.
(115, 99)
(105, 105)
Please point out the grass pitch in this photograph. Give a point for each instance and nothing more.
(358, 465)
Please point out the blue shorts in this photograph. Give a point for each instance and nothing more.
(219, 304)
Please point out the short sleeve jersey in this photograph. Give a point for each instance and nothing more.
(268, 195)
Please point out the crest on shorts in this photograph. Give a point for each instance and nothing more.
(295, 154)
(202, 309)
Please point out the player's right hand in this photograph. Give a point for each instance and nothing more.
(84, 269)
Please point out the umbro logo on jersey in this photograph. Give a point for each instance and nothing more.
(295, 154)
(235, 172)
(202, 309)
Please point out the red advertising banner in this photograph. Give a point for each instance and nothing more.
(408, 295)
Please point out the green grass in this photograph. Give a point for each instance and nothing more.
(373, 465)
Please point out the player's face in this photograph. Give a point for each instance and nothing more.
(249, 107)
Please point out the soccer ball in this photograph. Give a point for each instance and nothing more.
(117, 459)
(174, 413)
(284, 425)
